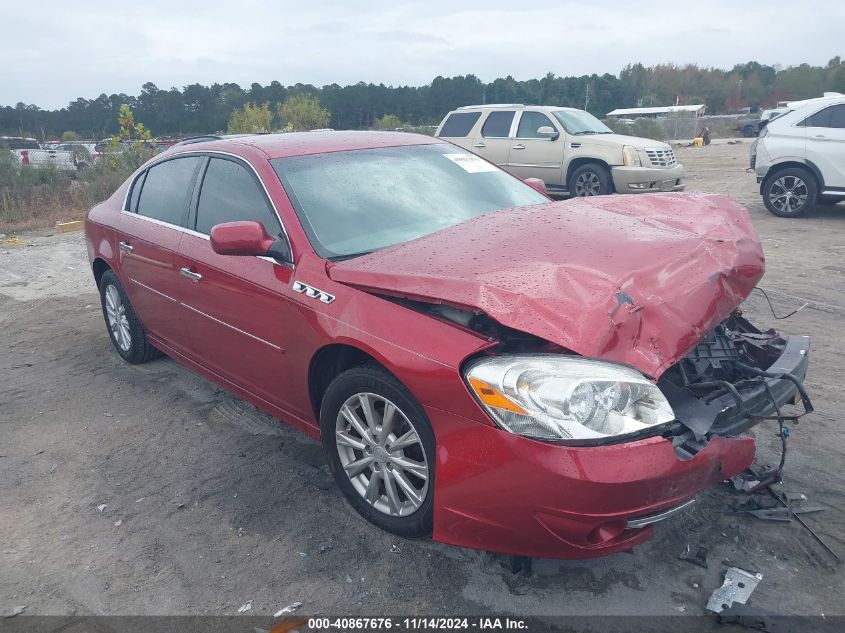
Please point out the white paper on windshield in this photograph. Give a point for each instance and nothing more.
(470, 163)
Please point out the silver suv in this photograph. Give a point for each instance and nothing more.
(568, 149)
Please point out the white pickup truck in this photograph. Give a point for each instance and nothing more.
(29, 152)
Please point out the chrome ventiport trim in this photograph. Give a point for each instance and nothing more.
(660, 516)
(312, 292)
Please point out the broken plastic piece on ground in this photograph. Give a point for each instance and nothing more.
(102, 507)
(700, 557)
(782, 513)
(737, 587)
(14, 611)
(246, 607)
(288, 609)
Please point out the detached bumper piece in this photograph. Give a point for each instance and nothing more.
(735, 378)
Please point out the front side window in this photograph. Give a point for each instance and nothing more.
(530, 122)
(498, 124)
(230, 193)
(167, 189)
(354, 202)
(459, 124)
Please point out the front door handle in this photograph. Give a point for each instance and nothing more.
(520, 146)
(479, 144)
(820, 137)
(185, 272)
(125, 247)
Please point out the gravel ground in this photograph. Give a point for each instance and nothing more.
(210, 503)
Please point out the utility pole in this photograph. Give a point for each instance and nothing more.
(587, 96)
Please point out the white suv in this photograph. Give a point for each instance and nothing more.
(799, 157)
(570, 150)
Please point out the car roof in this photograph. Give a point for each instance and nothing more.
(302, 143)
(514, 106)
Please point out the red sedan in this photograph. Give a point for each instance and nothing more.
(503, 371)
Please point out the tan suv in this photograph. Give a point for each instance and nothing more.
(570, 150)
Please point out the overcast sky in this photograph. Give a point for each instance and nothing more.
(53, 52)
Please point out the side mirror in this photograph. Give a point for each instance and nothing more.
(536, 183)
(547, 131)
(247, 238)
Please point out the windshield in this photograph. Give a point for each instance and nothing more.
(581, 122)
(355, 202)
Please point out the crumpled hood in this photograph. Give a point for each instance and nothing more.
(633, 279)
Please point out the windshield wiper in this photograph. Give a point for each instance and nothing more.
(586, 132)
(343, 258)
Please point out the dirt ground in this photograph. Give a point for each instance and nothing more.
(210, 503)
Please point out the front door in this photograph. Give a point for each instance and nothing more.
(533, 155)
(237, 317)
(148, 241)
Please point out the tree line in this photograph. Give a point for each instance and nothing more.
(197, 109)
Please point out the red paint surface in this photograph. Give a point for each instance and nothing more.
(685, 260)
(633, 279)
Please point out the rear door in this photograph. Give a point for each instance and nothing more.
(826, 144)
(237, 317)
(151, 228)
(492, 141)
(533, 155)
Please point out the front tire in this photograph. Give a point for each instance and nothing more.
(380, 448)
(748, 131)
(125, 330)
(591, 179)
(790, 193)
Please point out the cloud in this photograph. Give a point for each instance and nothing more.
(85, 48)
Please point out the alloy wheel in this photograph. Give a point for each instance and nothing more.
(118, 321)
(587, 184)
(788, 194)
(382, 454)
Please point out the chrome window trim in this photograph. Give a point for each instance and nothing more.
(183, 229)
(232, 327)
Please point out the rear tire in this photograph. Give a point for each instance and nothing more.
(591, 179)
(790, 193)
(748, 131)
(382, 461)
(125, 330)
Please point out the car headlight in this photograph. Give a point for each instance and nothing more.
(553, 396)
(631, 157)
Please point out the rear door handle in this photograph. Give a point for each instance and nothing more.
(185, 272)
(479, 145)
(125, 247)
(520, 146)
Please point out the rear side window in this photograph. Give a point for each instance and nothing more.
(530, 122)
(167, 189)
(136, 193)
(819, 119)
(837, 117)
(230, 193)
(459, 124)
(497, 125)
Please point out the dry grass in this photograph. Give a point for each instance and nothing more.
(42, 206)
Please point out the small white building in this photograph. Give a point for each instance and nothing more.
(662, 111)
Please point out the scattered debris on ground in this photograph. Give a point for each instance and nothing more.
(288, 609)
(737, 587)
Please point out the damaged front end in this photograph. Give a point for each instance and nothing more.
(734, 378)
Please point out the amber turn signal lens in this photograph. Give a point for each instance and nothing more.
(492, 397)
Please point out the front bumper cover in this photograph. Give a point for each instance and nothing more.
(647, 179)
(506, 493)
